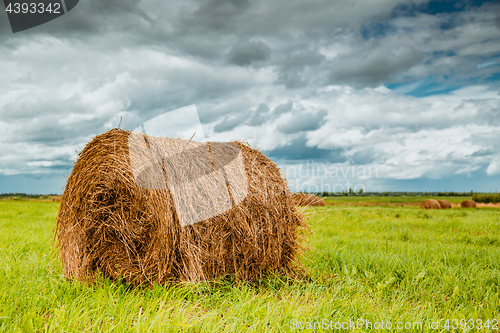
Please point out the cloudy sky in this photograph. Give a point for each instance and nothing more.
(387, 95)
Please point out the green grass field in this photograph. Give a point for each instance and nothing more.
(391, 264)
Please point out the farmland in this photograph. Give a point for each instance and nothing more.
(389, 261)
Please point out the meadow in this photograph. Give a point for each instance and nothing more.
(392, 264)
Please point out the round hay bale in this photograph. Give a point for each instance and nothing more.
(430, 204)
(468, 204)
(317, 201)
(299, 199)
(303, 199)
(132, 221)
(445, 204)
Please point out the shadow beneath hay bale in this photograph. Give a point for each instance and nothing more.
(269, 280)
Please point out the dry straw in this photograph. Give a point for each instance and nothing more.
(109, 225)
(303, 199)
(430, 204)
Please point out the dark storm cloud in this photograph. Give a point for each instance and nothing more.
(244, 33)
(304, 121)
(49, 131)
(379, 65)
(300, 119)
(215, 15)
(291, 67)
(248, 53)
(278, 18)
(256, 117)
(230, 123)
(482, 152)
(24, 110)
(366, 156)
(298, 150)
(260, 115)
(297, 60)
(210, 29)
(282, 108)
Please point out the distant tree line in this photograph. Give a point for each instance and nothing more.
(486, 197)
(351, 192)
(25, 195)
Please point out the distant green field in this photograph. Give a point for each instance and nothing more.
(396, 265)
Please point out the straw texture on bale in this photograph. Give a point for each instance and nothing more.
(430, 204)
(109, 225)
(445, 204)
(468, 204)
(303, 199)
